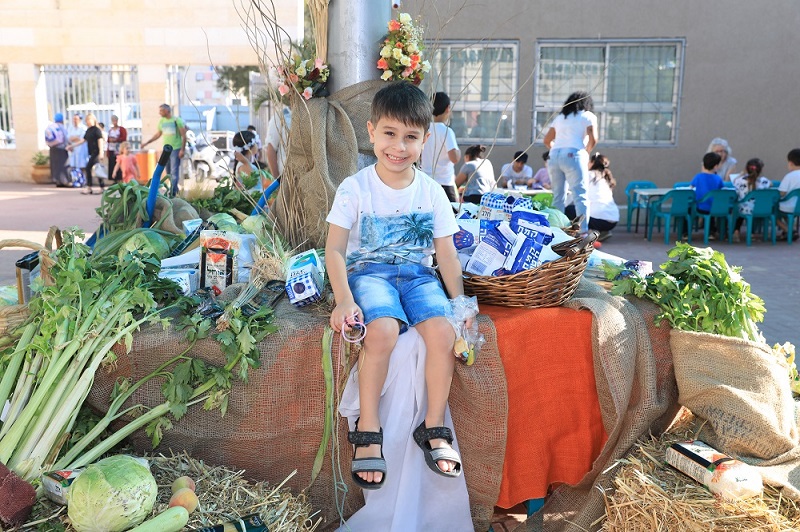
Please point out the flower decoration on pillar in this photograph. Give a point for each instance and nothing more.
(306, 77)
(401, 54)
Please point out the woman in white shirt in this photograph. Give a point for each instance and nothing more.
(572, 135)
(600, 191)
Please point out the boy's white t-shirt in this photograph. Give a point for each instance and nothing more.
(789, 182)
(387, 224)
(435, 160)
(571, 130)
(507, 173)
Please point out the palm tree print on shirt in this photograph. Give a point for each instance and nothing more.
(408, 235)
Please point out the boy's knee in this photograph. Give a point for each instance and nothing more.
(382, 333)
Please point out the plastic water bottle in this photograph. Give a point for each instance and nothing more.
(724, 476)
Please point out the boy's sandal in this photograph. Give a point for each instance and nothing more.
(366, 465)
(423, 435)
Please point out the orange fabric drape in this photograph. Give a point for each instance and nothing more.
(555, 429)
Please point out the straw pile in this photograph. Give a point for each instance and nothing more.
(649, 495)
(224, 495)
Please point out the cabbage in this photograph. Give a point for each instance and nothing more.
(111, 495)
(145, 241)
(225, 222)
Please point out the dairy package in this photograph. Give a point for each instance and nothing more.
(490, 254)
(305, 278)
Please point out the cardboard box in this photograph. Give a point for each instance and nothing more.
(56, 484)
(305, 278)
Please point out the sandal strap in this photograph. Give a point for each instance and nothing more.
(422, 435)
(445, 453)
(364, 438)
(360, 465)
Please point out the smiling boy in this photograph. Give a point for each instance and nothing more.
(386, 222)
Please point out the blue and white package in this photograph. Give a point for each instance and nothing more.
(468, 233)
(492, 211)
(531, 223)
(514, 202)
(526, 253)
(491, 252)
(304, 278)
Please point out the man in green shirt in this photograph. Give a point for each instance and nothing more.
(173, 129)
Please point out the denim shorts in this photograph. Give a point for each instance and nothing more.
(408, 292)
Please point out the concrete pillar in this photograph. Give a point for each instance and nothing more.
(356, 27)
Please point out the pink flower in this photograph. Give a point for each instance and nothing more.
(307, 93)
(394, 25)
(283, 89)
(382, 64)
(318, 63)
(293, 78)
(415, 58)
(408, 72)
(399, 45)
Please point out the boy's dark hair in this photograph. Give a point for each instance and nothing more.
(243, 138)
(475, 151)
(251, 127)
(402, 101)
(441, 101)
(521, 156)
(577, 101)
(794, 157)
(710, 160)
(546, 156)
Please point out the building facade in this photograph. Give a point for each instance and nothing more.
(666, 77)
(139, 46)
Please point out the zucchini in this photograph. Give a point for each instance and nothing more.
(170, 520)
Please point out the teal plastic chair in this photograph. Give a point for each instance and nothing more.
(682, 184)
(765, 209)
(634, 202)
(776, 183)
(677, 206)
(728, 184)
(790, 216)
(723, 209)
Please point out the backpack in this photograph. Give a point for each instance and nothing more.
(54, 136)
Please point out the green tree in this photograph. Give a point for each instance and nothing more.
(235, 79)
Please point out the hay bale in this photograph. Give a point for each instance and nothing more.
(649, 495)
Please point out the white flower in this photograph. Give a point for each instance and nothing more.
(301, 71)
(405, 60)
(386, 51)
(404, 18)
(397, 53)
(412, 47)
(426, 66)
(387, 75)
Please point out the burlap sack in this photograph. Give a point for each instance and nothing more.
(741, 388)
(325, 138)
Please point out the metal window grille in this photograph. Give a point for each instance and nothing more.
(102, 90)
(6, 118)
(635, 86)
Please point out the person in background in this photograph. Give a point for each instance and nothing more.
(80, 155)
(477, 173)
(749, 180)
(541, 179)
(441, 153)
(95, 145)
(244, 145)
(125, 164)
(600, 191)
(173, 130)
(116, 135)
(727, 163)
(278, 140)
(790, 181)
(257, 153)
(572, 135)
(55, 136)
(516, 173)
(706, 181)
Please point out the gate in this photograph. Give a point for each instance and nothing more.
(102, 90)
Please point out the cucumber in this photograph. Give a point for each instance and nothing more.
(170, 520)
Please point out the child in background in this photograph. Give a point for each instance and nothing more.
(516, 173)
(541, 179)
(126, 163)
(790, 181)
(477, 174)
(386, 222)
(441, 151)
(706, 181)
(746, 182)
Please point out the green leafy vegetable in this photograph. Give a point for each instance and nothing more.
(698, 291)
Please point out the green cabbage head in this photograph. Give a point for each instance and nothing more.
(111, 495)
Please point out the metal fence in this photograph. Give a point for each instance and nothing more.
(6, 118)
(102, 90)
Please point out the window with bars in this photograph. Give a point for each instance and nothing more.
(635, 86)
(7, 140)
(481, 80)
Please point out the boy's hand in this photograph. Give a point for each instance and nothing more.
(343, 312)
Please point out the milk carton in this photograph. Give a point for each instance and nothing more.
(305, 278)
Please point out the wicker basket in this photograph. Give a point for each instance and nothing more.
(549, 285)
